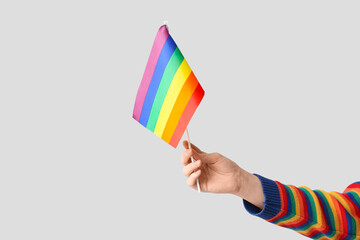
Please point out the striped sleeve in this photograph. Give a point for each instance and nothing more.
(313, 213)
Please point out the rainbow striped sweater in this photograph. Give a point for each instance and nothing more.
(313, 213)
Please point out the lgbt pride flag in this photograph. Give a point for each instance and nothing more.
(169, 92)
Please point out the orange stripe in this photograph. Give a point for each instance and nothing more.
(334, 214)
(353, 187)
(291, 222)
(304, 213)
(321, 224)
(345, 202)
(301, 207)
(283, 201)
(350, 206)
(179, 106)
(187, 115)
(340, 214)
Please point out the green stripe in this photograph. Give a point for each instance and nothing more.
(353, 221)
(356, 196)
(354, 230)
(169, 73)
(312, 213)
(291, 207)
(318, 236)
(328, 209)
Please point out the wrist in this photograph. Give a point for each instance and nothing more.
(242, 179)
(251, 189)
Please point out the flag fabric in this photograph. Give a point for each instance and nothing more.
(169, 92)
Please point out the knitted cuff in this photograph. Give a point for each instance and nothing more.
(272, 203)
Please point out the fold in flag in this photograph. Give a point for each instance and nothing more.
(169, 92)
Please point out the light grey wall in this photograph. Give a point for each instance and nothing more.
(282, 100)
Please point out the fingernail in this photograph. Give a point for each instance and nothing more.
(197, 162)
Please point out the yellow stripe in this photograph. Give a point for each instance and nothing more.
(339, 197)
(183, 99)
(333, 212)
(177, 83)
(320, 221)
(297, 210)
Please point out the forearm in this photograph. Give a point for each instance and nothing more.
(312, 213)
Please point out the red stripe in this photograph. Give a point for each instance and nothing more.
(305, 208)
(340, 214)
(187, 115)
(180, 104)
(284, 203)
(303, 213)
(353, 187)
(355, 210)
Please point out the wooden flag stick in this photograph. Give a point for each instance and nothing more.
(192, 159)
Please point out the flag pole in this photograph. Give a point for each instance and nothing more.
(192, 159)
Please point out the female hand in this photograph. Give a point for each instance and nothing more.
(218, 174)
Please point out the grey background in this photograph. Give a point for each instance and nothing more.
(282, 100)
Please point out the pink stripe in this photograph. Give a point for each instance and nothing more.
(160, 39)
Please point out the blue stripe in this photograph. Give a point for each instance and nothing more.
(350, 230)
(352, 195)
(309, 222)
(318, 235)
(289, 207)
(329, 216)
(165, 55)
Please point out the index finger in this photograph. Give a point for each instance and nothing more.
(185, 157)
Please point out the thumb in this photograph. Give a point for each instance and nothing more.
(195, 148)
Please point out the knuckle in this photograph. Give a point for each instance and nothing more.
(186, 153)
(189, 182)
(188, 169)
(216, 154)
(184, 170)
(182, 159)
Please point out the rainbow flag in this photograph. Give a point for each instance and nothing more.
(169, 92)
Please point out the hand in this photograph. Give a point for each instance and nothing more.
(218, 174)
